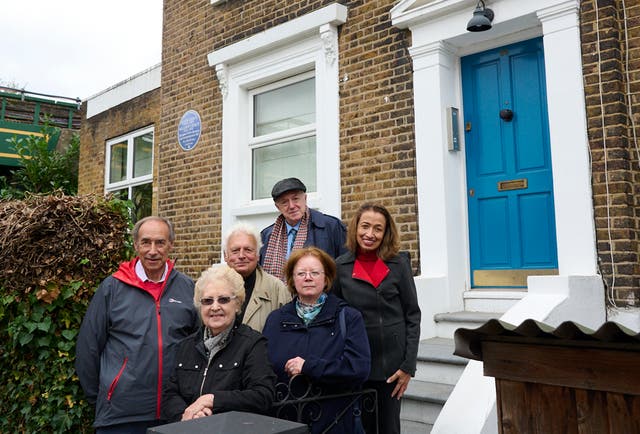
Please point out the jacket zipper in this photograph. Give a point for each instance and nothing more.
(114, 383)
(160, 354)
(159, 391)
(381, 324)
(204, 378)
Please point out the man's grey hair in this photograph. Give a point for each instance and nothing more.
(136, 228)
(243, 228)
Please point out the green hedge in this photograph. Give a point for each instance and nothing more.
(39, 321)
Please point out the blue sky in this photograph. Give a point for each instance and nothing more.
(77, 48)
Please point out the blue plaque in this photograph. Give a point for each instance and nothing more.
(189, 130)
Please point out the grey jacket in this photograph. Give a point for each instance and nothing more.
(127, 343)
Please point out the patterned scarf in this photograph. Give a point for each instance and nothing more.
(212, 343)
(275, 255)
(307, 312)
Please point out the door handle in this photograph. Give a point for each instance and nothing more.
(506, 115)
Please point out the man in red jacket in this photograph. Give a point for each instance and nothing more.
(128, 338)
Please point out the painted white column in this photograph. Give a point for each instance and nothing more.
(575, 224)
(439, 176)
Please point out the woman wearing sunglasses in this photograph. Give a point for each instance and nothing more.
(224, 365)
(319, 337)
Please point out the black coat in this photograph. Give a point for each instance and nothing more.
(239, 376)
(391, 314)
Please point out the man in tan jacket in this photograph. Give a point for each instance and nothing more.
(264, 292)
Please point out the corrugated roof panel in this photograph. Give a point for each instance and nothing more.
(468, 342)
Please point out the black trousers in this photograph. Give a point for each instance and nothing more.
(388, 410)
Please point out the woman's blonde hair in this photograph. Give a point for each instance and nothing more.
(220, 272)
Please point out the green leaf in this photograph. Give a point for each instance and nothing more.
(44, 341)
(45, 325)
(66, 346)
(25, 339)
(69, 334)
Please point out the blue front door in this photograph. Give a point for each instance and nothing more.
(509, 182)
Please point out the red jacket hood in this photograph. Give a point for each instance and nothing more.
(127, 273)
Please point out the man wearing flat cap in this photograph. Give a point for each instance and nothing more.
(297, 226)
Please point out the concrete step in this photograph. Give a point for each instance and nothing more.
(436, 362)
(423, 401)
(411, 427)
(492, 299)
(447, 323)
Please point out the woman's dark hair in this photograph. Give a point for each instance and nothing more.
(328, 265)
(390, 245)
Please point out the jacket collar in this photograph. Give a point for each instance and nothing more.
(199, 335)
(329, 310)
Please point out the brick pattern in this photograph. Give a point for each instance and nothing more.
(377, 148)
(377, 145)
(614, 151)
(129, 116)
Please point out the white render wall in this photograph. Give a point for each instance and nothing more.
(439, 40)
(141, 83)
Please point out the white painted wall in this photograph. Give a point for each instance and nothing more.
(126, 90)
(439, 40)
(303, 44)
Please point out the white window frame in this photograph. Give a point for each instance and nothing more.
(302, 45)
(279, 137)
(129, 182)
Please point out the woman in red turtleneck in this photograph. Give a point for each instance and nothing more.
(376, 279)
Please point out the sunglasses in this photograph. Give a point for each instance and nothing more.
(223, 299)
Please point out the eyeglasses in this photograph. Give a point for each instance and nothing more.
(303, 274)
(223, 299)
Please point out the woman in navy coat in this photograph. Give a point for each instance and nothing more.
(321, 337)
(375, 279)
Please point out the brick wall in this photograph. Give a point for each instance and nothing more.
(129, 116)
(377, 146)
(376, 111)
(614, 153)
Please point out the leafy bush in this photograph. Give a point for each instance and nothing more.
(41, 170)
(55, 250)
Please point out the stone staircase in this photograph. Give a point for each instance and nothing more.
(438, 369)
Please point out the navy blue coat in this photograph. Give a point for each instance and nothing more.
(336, 361)
(325, 232)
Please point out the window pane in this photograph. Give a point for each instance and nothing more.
(284, 108)
(122, 194)
(142, 195)
(296, 158)
(118, 163)
(142, 149)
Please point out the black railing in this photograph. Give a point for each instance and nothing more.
(302, 400)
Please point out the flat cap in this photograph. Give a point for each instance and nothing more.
(288, 184)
